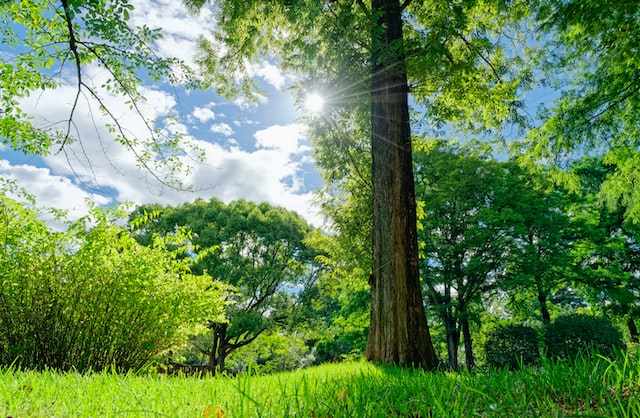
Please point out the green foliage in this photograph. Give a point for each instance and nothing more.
(607, 248)
(272, 352)
(461, 73)
(542, 263)
(512, 346)
(341, 345)
(571, 336)
(345, 334)
(458, 69)
(258, 249)
(337, 318)
(91, 297)
(590, 57)
(466, 230)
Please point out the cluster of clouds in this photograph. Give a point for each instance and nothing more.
(244, 157)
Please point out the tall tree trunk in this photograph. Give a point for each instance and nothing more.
(453, 339)
(544, 311)
(398, 331)
(468, 342)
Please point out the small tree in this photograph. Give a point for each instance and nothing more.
(466, 233)
(259, 250)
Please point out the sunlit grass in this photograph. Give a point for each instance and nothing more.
(588, 388)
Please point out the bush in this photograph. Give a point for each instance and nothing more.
(511, 345)
(573, 335)
(90, 297)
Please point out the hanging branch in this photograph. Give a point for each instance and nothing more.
(113, 51)
(73, 47)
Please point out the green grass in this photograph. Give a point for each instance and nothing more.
(589, 388)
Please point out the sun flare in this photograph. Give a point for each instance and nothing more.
(314, 103)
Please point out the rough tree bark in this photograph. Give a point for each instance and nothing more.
(398, 331)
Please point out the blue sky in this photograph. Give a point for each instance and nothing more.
(255, 152)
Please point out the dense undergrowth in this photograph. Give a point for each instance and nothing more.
(596, 388)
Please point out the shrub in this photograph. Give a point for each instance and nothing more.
(510, 345)
(573, 335)
(90, 297)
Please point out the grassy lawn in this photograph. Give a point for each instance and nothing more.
(589, 388)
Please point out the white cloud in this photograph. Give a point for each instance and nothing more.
(222, 128)
(270, 73)
(51, 191)
(282, 138)
(203, 114)
(271, 173)
(245, 123)
(180, 29)
(243, 103)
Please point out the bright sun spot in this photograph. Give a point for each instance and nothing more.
(314, 103)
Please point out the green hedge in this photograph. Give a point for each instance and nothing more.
(511, 345)
(573, 335)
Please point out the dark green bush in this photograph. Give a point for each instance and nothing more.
(338, 347)
(511, 345)
(573, 335)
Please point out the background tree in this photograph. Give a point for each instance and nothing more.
(337, 307)
(257, 249)
(272, 352)
(467, 233)
(542, 263)
(608, 251)
(591, 57)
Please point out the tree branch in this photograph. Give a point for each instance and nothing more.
(628, 92)
(140, 159)
(73, 47)
(482, 57)
(237, 344)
